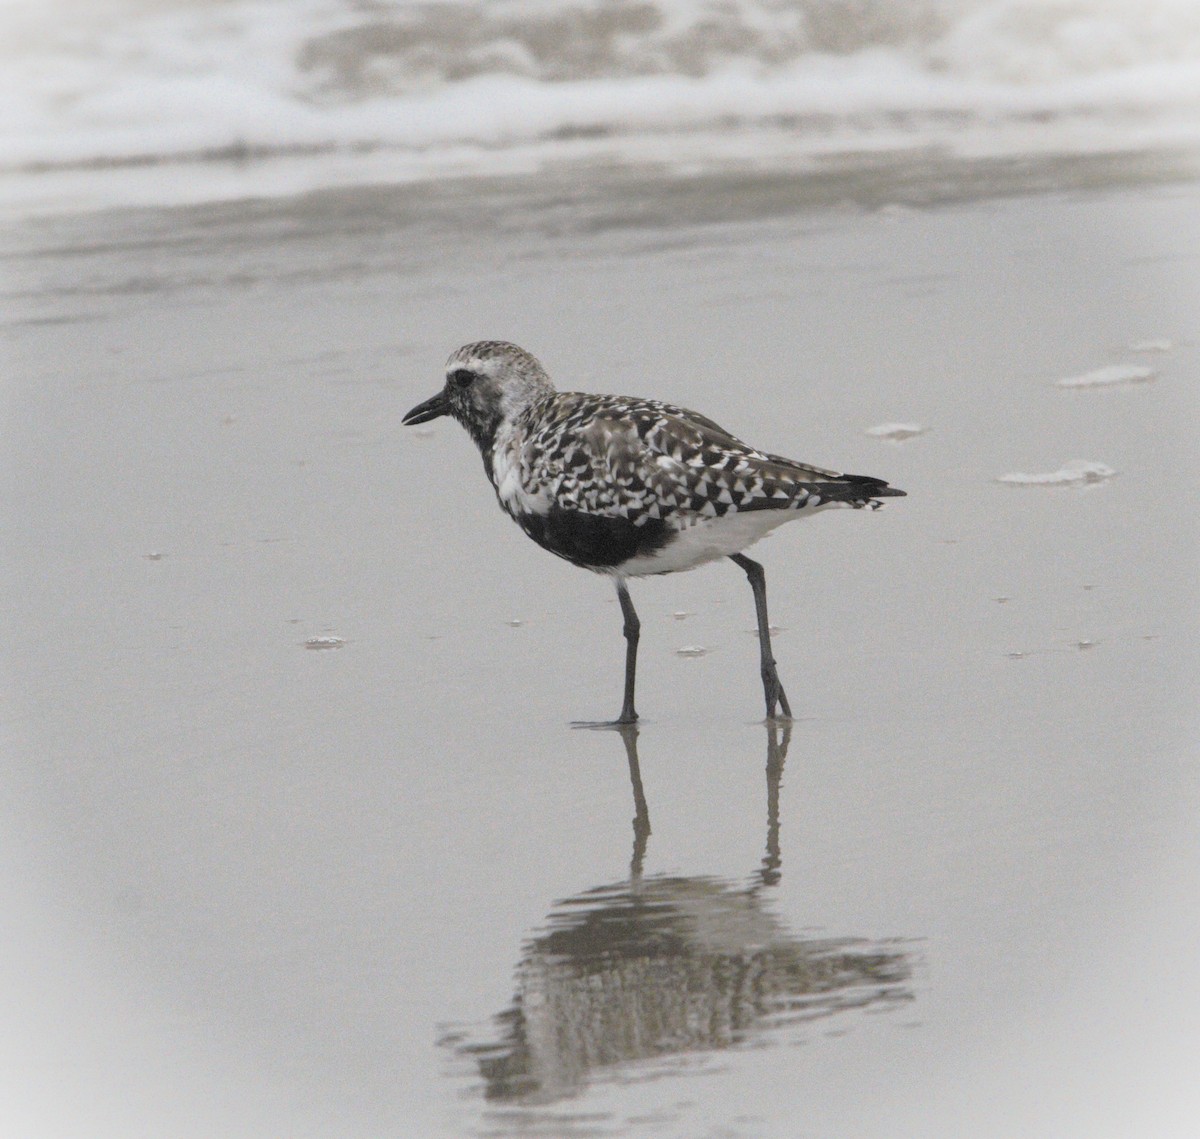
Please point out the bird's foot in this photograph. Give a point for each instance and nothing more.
(778, 708)
(622, 723)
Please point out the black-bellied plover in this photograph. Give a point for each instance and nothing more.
(631, 487)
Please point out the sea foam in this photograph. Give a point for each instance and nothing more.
(464, 85)
(1109, 376)
(1078, 472)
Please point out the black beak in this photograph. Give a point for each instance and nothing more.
(428, 410)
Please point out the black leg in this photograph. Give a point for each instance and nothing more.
(633, 628)
(772, 689)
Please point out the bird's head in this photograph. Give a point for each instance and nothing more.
(487, 383)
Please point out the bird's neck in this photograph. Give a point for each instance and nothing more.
(492, 425)
(507, 424)
(505, 440)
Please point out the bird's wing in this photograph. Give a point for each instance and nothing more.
(644, 459)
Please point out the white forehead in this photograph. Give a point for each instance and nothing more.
(482, 365)
(494, 358)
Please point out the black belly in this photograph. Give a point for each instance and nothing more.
(594, 541)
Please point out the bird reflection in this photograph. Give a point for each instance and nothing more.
(659, 965)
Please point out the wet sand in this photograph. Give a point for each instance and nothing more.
(261, 888)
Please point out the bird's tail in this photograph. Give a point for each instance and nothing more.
(857, 491)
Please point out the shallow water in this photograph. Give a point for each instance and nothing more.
(386, 889)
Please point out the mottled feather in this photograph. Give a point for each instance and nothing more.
(644, 459)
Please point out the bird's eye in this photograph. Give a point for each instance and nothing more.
(461, 377)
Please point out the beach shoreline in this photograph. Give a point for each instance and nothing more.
(285, 882)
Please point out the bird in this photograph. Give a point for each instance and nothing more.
(631, 487)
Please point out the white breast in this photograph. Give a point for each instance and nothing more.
(511, 480)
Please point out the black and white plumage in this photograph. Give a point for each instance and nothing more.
(630, 487)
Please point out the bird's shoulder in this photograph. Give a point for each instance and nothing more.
(629, 427)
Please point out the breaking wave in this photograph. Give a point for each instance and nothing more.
(469, 85)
